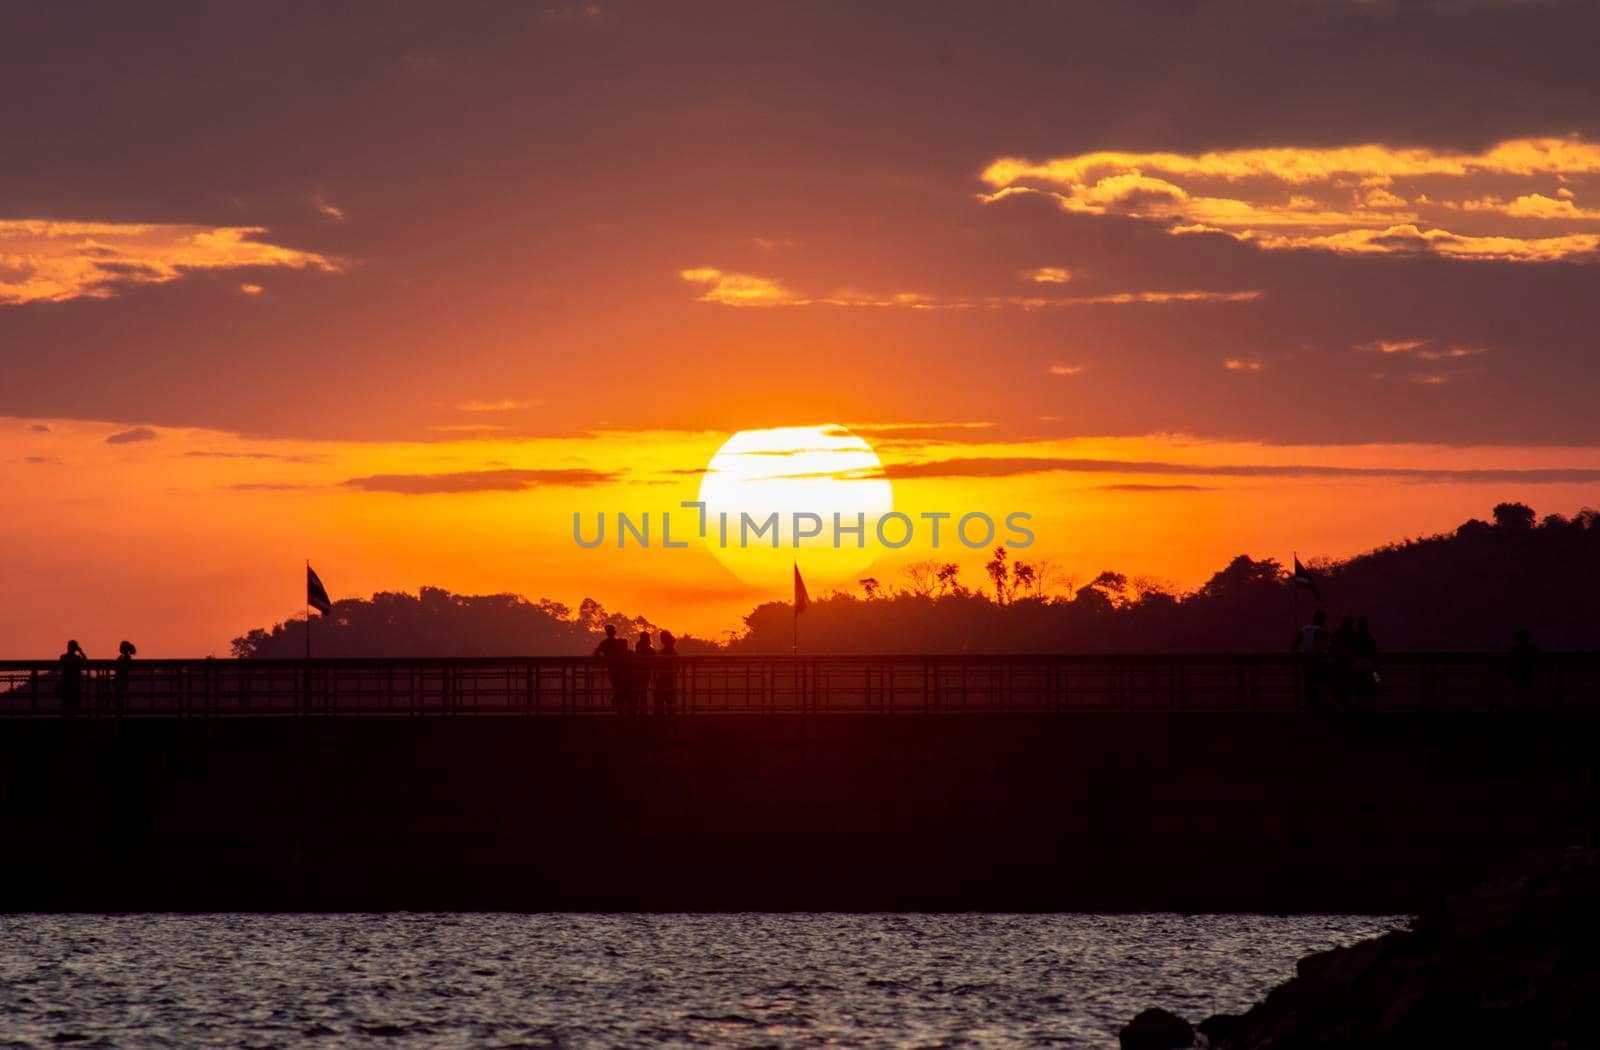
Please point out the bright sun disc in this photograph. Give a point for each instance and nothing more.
(823, 470)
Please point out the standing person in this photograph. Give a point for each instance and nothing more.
(614, 651)
(69, 684)
(125, 653)
(1342, 657)
(1366, 666)
(639, 678)
(666, 675)
(1311, 646)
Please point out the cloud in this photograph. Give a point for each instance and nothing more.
(1237, 364)
(738, 289)
(1451, 353)
(327, 208)
(45, 261)
(891, 433)
(40, 428)
(128, 437)
(1421, 349)
(1394, 346)
(1412, 240)
(1137, 487)
(1048, 275)
(42, 460)
(250, 289)
(1534, 206)
(480, 481)
(1361, 199)
(1012, 466)
(273, 456)
(266, 486)
(1150, 297)
(503, 405)
(1064, 370)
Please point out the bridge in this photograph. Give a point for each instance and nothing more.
(701, 685)
(1188, 782)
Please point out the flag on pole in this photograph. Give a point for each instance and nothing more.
(316, 593)
(1303, 578)
(802, 600)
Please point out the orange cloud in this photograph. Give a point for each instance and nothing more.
(1375, 164)
(1340, 200)
(1411, 240)
(738, 289)
(503, 405)
(45, 261)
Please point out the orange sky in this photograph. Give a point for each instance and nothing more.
(184, 538)
(401, 288)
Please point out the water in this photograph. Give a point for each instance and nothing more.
(412, 980)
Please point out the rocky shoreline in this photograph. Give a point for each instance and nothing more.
(1511, 963)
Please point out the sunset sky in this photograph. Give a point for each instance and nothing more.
(400, 288)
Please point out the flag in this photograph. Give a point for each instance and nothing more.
(316, 593)
(1303, 578)
(802, 600)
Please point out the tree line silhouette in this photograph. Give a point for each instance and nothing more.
(1470, 589)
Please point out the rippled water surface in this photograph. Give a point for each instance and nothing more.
(411, 980)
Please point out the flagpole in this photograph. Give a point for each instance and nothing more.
(1294, 595)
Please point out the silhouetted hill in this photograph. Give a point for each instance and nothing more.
(435, 622)
(1470, 589)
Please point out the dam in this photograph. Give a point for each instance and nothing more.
(1145, 782)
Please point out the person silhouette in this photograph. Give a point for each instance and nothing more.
(639, 676)
(1366, 665)
(1522, 663)
(125, 654)
(614, 651)
(1311, 645)
(69, 684)
(1342, 657)
(666, 675)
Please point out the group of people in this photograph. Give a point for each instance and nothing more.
(69, 682)
(1341, 665)
(641, 672)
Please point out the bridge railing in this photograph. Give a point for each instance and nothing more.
(805, 684)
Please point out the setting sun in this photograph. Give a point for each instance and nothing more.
(789, 471)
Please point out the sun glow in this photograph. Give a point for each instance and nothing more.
(821, 470)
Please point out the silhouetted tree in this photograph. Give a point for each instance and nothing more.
(435, 622)
(921, 577)
(999, 575)
(871, 586)
(1513, 516)
(1024, 580)
(1468, 589)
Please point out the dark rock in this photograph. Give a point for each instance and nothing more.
(1510, 964)
(1513, 963)
(1156, 1030)
(1218, 1027)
